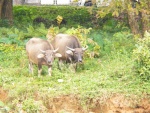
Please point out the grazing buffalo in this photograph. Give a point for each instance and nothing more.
(70, 49)
(40, 52)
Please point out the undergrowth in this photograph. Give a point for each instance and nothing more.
(110, 73)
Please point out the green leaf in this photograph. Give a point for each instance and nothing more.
(1, 104)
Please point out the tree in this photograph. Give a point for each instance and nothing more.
(1, 4)
(6, 10)
(138, 13)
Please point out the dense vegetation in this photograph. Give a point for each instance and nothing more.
(116, 62)
(47, 15)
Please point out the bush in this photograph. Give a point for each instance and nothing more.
(142, 57)
(72, 16)
(18, 36)
(4, 23)
(31, 106)
(22, 14)
(121, 42)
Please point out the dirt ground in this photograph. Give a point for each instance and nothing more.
(72, 104)
(116, 104)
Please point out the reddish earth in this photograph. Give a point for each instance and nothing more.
(3, 95)
(116, 104)
(71, 104)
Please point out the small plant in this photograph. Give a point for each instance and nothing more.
(59, 20)
(120, 42)
(142, 56)
(20, 36)
(3, 108)
(31, 106)
(6, 48)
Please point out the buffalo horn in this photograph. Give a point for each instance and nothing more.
(55, 50)
(42, 51)
(70, 48)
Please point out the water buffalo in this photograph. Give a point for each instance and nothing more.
(70, 49)
(40, 52)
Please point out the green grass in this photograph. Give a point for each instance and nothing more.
(102, 77)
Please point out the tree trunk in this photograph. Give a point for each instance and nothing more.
(1, 5)
(133, 21)
(145, 21)
(6, 12)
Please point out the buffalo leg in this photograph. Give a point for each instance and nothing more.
(30, 67)
(74, 66)
(49, 70)
(60, 63)
(39, 70)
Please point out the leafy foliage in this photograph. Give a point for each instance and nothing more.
(59, 19)
(16, 36)
(23, 14)
(3, 107)
(126, 11)
(122, 42)
(117, 7)
(142, 56)
(31, 106)
(72, 16)
(4, 23)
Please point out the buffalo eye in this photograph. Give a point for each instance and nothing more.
(75, 52)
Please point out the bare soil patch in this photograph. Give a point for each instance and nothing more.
(72, 104)
(120, 104)
(3, 95)
(116, 104)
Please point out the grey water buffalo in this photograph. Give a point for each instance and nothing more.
(40, 52)
(70, 49)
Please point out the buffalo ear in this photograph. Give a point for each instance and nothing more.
(40, 55)
(58, 55)
(69, 52)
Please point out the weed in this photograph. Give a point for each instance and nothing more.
(142, 57)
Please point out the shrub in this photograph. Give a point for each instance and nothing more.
(142, 56)
(18, 36)
(31, 106)
(4, 23)
(121, 42)
(72, 16)
(22, 14)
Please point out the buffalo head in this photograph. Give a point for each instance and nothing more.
(76, 53)
(49, 55)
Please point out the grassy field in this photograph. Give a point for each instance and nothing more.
(111, 73)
